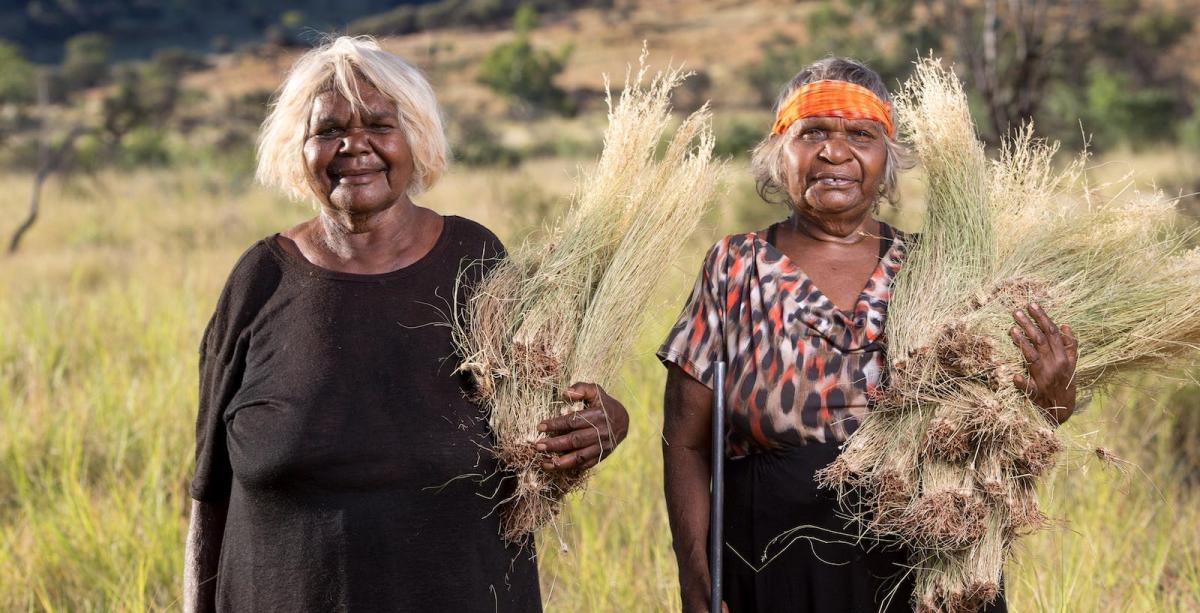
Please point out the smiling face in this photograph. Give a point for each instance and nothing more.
(834, 167)
(358, 161)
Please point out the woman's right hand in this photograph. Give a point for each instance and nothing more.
(581, 439)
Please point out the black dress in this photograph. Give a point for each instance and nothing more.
(332, 422)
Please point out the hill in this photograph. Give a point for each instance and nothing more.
(741, 52)
(718, 38)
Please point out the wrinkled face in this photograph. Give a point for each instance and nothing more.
(358, 161)
(834, 166)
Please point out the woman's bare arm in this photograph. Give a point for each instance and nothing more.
(687, 423)
(201, 555)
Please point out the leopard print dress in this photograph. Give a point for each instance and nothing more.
(799, 378)
(800, 369)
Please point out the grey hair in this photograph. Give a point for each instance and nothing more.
(766, 162)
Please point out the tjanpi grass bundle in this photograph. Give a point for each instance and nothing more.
(949, 459)
(567, 307)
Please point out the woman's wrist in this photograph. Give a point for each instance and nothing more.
(694, 582)
(695, 598)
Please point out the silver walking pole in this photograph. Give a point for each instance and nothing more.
(716, 509)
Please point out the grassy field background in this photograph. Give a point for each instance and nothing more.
(100, 319)
(102, 309)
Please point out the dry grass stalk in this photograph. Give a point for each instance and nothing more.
(566, 307)
(999, 235)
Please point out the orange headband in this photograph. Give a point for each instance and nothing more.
(833, 99)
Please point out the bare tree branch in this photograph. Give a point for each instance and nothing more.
(990, 72)
(49, 161)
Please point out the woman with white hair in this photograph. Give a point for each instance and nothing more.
(334, 432)
(797, 312)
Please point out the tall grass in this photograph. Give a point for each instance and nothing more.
(566, 306)
(949, 462)
(100, 319)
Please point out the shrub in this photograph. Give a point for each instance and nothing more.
(1119, 112)
(1189, 129)
(16, 75)
(145, 146)
(85, 60)
(145, 95)
(250, 107)
(179, 61)
(400, 20)
(407, 18)
(737, 138)
(781, 59)
(829, 30)
(517, 70)
(478, 146)
(91, 153)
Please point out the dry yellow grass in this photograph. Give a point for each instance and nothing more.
(100, 320)
(102, 311)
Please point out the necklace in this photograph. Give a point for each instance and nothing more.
(856, 237)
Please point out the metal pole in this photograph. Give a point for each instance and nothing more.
(716, 509)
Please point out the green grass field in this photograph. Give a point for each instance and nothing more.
(100, 318)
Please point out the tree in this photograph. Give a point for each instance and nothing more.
(85, 60)
(517, 70)
(51, 159)
(1117, 111)
(1011, 65)
(1006, 51)
(145, 95)
(830, 29)
(1022, 57)
(16, 75)
(781, 59)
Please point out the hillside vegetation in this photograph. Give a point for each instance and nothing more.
(1120, 73)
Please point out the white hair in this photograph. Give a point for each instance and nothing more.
(335, 66)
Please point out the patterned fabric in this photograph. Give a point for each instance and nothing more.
(799, 368)
(833, 99)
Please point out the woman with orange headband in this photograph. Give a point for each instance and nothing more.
(796, 311)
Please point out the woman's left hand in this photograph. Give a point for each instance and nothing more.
(1050, 353)
(579, 440)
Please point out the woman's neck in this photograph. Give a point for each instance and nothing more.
(366, 236)
(369, 243)
(844, 231)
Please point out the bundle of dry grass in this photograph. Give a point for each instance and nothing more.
(949, 460)
(566, 307)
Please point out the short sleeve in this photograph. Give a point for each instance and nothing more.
(213, 477)
(695, 342)
(480, 252)
(480, 261)
(223, 351)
